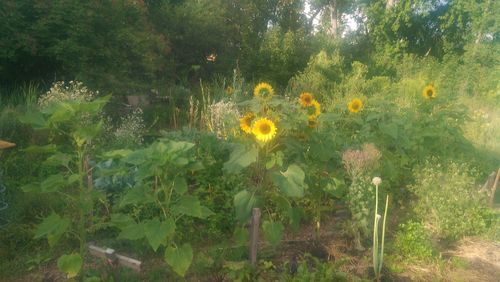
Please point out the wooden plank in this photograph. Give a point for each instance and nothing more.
(109, 254)
(6, 145)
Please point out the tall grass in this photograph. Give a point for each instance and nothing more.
(20, 95)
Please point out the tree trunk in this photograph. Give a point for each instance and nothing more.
(334, 19)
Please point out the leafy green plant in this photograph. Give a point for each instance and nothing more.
(448, 200)
(310, 268)
(71, 126)
(154, 207)
(413, 242)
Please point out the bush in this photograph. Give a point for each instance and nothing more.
(448, 200)
(413, 242)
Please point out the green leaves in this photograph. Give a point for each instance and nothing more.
(52, 183)
(70, 264)
(137, 195)
(179, 258)
(291, 182)
(180, 185)
(34, 119)
(157, 232)
(190, 205)
(244, 201)
(53, 227)
(273, 231)
(240, 158)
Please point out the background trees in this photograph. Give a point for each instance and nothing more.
(133, 46)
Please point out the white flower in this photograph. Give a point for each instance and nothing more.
(376, 181)
(378, 216)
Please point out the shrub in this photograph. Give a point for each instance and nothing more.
(448, 200)
(413, 242)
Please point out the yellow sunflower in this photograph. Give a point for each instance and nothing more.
(246, 122)
(264, 129)
(355, 105)
(314, 110)
(429, 92)
(305, 99)
(263, 90)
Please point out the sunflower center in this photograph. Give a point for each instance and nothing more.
(265, 128)
(430, 93)
(307, 99)
(355, 106)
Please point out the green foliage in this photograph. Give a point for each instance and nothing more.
(179, 258)
(291, 182)
(449, 201)
(153, 208)
(312, 269)
(71, 126)
(273, 232)
(413, 242)
(70, 264)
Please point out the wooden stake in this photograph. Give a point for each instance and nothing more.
(494, 189)
(254, 235)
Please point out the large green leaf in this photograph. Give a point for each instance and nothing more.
(291, 182)
(134, 231)
(121, 220)
(62, 112)
(190, 205)
(273, 231)
(70, 264)
(180, 185)
(34, 119)
(85, 134)
(157, 232)
(52, 183)
(179, 258)
(240, 158)
(58, 159)
(244, 201)
(53, 227)
(137, 195)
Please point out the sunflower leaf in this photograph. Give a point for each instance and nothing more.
(240, 158)
(179, 258)
(273, 231)
(291, 182)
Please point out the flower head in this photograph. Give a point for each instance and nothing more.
(246, 122)
(263, 90)
(355, 105)
(229, 90)
(376, 181)
(429, 92)
(314, 110)
(264, 129)
(306, 99)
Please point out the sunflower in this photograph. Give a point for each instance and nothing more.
(264, 129)
(314, 110)
(263, 90)
(355, 105)
(429, 92)
(305, 99)
(246, 122)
